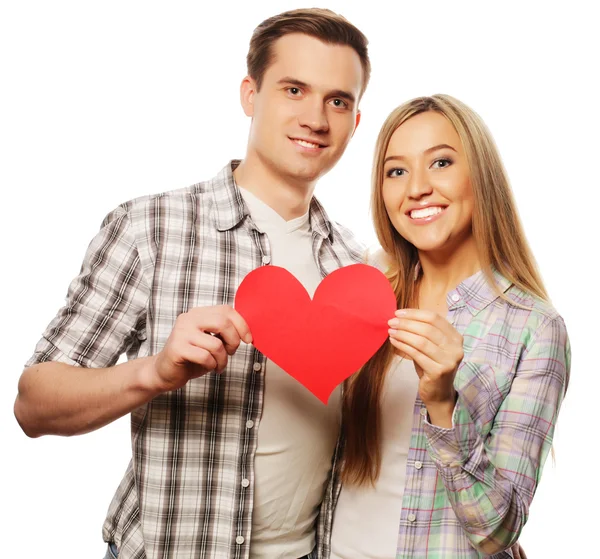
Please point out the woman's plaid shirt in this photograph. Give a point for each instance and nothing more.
(468, 489)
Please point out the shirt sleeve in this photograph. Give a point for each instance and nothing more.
(491, 482)
(105, 309)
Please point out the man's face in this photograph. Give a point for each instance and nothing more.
(306, 110)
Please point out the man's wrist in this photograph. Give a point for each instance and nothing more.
(146, 379)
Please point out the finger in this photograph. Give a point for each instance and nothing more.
(214, 346)
(420, 343)
(424, 329)
(426, 316)
(240, 325)
(421, 360)
(217, 322)
(201, 357)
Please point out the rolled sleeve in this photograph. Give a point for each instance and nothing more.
(491, 481)
(104, 312)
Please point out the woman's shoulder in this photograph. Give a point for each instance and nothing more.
(536, 313)
(519, 297)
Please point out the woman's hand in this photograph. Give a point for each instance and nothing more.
(437, 350)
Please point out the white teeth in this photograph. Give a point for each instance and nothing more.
(306, 144)
(426, 212)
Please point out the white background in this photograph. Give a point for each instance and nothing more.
(102, 102)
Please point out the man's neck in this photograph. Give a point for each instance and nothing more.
(290, 200)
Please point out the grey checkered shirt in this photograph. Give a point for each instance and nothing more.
(154, 258)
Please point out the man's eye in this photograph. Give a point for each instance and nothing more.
(294, 90)
(339, 103)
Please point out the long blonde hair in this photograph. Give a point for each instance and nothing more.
(500, 243)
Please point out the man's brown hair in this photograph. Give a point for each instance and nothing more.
(319, 23)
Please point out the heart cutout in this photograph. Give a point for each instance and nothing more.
(319, 342)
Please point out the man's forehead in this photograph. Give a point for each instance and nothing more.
(316, 63)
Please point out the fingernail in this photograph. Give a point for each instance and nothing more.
(401, 312)
(394, 322)
(248, 339)
(391, 331)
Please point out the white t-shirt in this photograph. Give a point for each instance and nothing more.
(366, 519)
(297, 432)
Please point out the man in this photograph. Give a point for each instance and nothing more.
(231, 456)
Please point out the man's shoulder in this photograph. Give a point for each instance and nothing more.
(166, 204)
(345, 236)
(378, 258)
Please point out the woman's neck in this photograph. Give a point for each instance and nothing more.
(441, 273)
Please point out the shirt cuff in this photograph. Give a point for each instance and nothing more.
(458, 446)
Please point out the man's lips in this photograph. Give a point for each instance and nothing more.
(308, 143)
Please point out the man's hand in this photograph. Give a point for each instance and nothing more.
(201, 341)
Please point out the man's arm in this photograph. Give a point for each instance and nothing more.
(61, 399)
(72, 385)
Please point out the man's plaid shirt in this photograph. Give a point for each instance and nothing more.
(154, 258)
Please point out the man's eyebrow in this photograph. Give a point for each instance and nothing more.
(334, 93)
(427, 151)
(343, 94)
(293, 81)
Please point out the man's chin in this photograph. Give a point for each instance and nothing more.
(309, 173)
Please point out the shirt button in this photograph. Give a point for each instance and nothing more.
(266, 259)
(249, 424)
(411, 517)
(423, 412)
(257, 366)
(455, 297)
(245, 482)
(239, 540)
(418, 465)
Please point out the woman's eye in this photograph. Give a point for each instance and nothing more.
(395, 173)
(441, 163)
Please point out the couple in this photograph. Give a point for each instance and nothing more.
(445, 430)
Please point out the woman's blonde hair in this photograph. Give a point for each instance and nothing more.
(500, 243)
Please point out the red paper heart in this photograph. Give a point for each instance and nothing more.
(320, 342)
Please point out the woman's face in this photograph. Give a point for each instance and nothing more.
(426, 186)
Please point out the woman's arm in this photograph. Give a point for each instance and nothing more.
(491, 482)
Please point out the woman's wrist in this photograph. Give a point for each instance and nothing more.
(441, 412)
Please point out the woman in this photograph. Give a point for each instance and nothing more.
(448, 426)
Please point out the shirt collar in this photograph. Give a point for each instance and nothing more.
(476, 292)
(230, 208)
